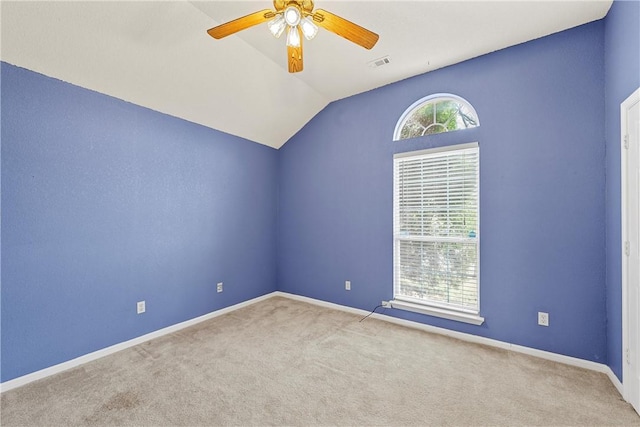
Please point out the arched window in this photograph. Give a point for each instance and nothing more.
(442, 112)
(436, 213)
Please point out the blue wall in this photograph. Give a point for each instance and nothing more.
(107, 203)
(541, 107)
(622, 77)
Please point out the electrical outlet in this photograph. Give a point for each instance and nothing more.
(386, 304)
(219, 288)
(543, 318)
(141, 307)
(347, 285)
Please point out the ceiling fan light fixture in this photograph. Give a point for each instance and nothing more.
(299, 19)
(277, 25)
(293, 37)
(309, 29)
(292, 15)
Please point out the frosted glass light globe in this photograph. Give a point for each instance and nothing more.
(292, 16)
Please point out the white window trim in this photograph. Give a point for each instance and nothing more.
(432, 309)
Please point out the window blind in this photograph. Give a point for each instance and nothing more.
(436, 236)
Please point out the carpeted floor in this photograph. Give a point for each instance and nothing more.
(284, 362)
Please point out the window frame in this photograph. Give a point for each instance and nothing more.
(433, 308)
(434, 98)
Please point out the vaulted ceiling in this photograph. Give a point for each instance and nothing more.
(157, 53)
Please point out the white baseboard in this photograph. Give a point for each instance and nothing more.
(560, 358)
(52, 370)
(568, 360)
(615, 381)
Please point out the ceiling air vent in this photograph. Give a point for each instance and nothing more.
(379, 62)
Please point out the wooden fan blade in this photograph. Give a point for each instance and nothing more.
(344, 28)
(294, 56)
(240, 24)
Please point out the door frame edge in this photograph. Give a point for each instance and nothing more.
(624, 107)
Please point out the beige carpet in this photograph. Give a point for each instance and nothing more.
(283, 362)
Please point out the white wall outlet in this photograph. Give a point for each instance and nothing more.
(386, 304)
(543, 318)
(219, 287)
(141, 307)
(347, 285)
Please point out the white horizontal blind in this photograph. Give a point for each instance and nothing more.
(436, 236)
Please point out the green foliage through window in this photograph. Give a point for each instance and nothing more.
(436, 114)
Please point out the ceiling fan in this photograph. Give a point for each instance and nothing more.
(299, 19)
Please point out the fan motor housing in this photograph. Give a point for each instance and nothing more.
(304, 5)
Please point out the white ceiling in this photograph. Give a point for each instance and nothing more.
(157, 53)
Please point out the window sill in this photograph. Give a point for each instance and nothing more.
(444, 313)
